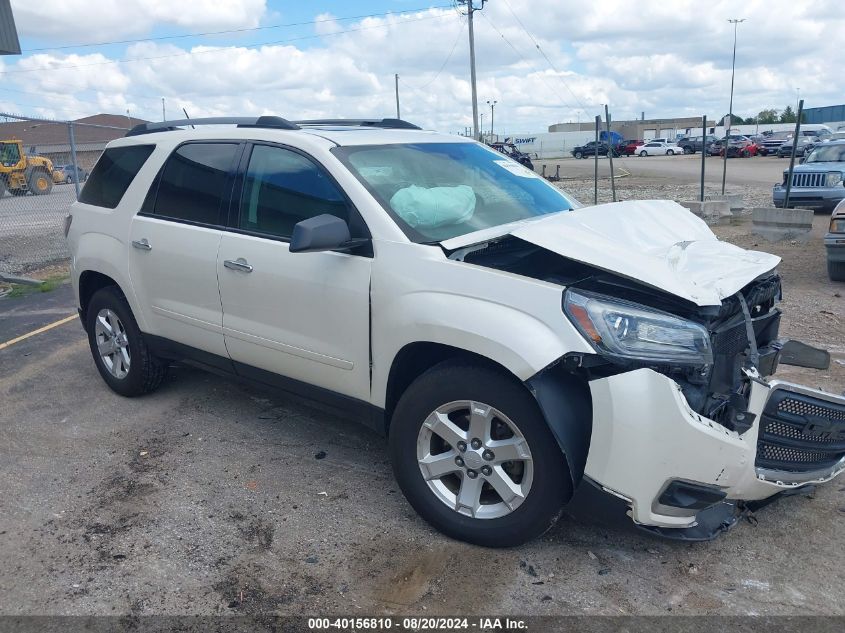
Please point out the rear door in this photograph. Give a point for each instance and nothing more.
(304, 316)
(175, 238)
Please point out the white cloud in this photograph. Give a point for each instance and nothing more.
(660, 57)
(77, 22)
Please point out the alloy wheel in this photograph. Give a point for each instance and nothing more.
(475, 459)
(112, 343)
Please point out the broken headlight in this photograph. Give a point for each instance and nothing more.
(625, 330)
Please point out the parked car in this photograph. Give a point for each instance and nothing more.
(834, 243)
(511, 150)
(629, 148)
(740, 149)
(589, 149)
(656, 148)
(715, 148)
(66, 174)
(771, 143)
(805, 146)
(818, 181)
(693, 144)
(510, 344)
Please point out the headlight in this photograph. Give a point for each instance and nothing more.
(837, 225)
(626, 330)
(834, 178)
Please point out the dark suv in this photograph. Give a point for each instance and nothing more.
(693, 144)
(589, 149)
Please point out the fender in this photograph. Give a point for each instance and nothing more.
(108, 250)
(567, 406)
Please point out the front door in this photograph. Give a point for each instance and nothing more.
(175, 239)
(304, 316)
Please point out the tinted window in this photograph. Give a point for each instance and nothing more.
(113, 174)
(192, 186)
(282, 188)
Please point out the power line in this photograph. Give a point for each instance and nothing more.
(446, 61)
(523, 58)
(244, 30)
(222, 48)
(546, 57)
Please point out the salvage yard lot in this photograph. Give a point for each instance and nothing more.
(213, 497)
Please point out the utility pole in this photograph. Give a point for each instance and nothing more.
(470, 11)
(492, 105)
(163, 115)
(735, 22)
(397, 96)
(480, 135)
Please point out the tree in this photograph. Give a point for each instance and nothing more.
(769, 115)
(788, 115)
(735, 120)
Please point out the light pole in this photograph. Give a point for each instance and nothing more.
(492, 105)
(481, 128)
(735, 22)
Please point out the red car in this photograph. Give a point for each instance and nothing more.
(629, 148)
(741, 147)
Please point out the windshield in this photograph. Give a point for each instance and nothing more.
(437, 191)
(827, 154)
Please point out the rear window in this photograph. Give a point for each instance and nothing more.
(192, 186)
(113, 174)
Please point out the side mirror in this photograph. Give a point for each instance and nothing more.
(801, 161)
(322, 233)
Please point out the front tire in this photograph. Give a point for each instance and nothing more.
(670, 152)
(643, 153)
(836, 270)
(474, 456)
(40, 183)
(579, 155)
(118, 346)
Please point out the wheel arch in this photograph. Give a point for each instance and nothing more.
(90, 281)
(564, 399)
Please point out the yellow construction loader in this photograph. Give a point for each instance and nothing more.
(20, 173)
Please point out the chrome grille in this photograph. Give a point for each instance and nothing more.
(808, 179)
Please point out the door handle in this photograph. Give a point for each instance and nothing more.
(142, 244)
(239, 264)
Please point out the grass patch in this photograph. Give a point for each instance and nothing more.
(48, 285)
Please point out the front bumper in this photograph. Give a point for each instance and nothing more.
(645, 438)
(835, 245)
(821, 198)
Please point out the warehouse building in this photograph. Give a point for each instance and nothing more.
(644, 129)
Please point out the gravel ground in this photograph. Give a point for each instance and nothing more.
(211, 497)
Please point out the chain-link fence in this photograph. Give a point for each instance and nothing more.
(43, 165)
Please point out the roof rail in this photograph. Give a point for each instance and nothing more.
(274, 122)
(382, 123)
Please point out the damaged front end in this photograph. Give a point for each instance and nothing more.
(687, 432)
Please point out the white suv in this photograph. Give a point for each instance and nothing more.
(512, 345)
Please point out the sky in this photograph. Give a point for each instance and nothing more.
(542, 62)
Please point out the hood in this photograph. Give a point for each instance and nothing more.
(656, 242)
(819, 166)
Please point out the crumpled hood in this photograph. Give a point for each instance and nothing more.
(656, 242)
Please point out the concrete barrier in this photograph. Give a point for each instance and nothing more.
(737, 204)
(782, 224)
(711, 211)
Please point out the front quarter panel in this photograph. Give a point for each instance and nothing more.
(418, 295)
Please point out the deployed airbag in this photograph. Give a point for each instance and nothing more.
(430, 208)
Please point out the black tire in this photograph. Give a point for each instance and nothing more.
(688, 150)
(643, 153)
(40, 183)
(146, 372)
(836, 270)
(579, 155)
(68, 180)
(763, 152)
(451, 381)
(670, 152)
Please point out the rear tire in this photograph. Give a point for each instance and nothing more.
(643, 153)
(473, 394)
(689, 150)
(670, 152)
(579, 155)
(118, 346)
(836, 270)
